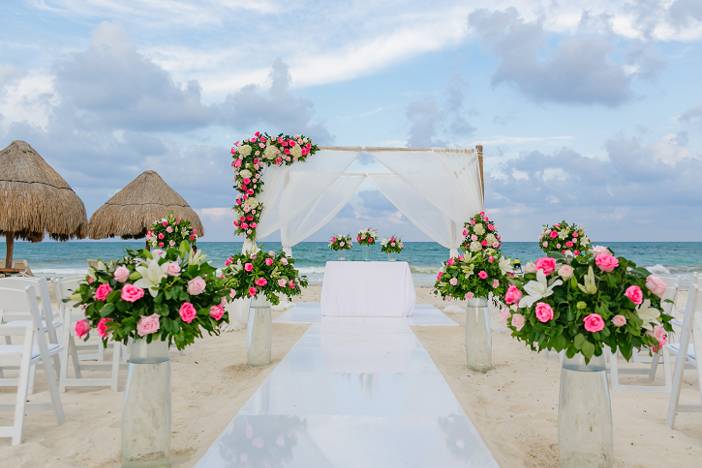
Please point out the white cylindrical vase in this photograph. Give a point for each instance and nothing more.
(259, 334)
(584, 414)
(146, 415)
(478, 338)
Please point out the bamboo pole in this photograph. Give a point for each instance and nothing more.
(479, 153)
(371, 149)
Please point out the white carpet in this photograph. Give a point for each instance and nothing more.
(310, 312)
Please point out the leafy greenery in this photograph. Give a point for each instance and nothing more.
(473, 275)
(563, 238)
(170, 232)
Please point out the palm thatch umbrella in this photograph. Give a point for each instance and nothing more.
(130, 212)
(35, 199)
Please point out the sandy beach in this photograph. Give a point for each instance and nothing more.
(514, 406)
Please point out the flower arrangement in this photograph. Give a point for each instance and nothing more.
(582, 304)
(391, 245)
(564, 238)
(480, 233)
(168, 295)
(340, 242)
(250, 157)
(271, 274)
(367, 236)
(170, 232)
(474, 275)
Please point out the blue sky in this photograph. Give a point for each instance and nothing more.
(588, 110)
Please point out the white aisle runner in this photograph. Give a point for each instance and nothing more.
(353, 392)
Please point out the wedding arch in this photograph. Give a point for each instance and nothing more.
(436, 189)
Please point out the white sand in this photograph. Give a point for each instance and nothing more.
(513, 406)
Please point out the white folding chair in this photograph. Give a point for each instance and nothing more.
(72, 352)
(642, 357)
(686, 349)
(33, 350)
(51, 321)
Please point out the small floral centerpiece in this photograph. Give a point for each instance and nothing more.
(480, 233)
(169, 232)
(168, 295)
(367, 237)
(474, 275)
(586, 303)
(249, 157)
(340, 242)
(391, 245)
(267, 274)
(564, 238)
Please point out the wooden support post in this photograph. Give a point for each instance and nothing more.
(10, 246)
(479, 153)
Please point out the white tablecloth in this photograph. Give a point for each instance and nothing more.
(367, 289)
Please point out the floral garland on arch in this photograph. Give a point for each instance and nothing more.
(249, 158)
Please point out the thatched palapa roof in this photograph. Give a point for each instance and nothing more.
(35, 199)
(133, 209)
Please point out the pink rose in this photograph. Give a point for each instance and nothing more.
(82, 328)
(453, 281)
(102, 327)
(482, 274)
(291, 284)
(161, 235)
(618, 320)
(172, 269)
(450, 262)
(543, 311)
(148, 324)
(439, 275)
(546, 264)
(228, 261)
(495, 283)
(656, 285)
(248, 267)
(469, 295)
(513, 295)
(553, 234)
(660, 334)
(187, 312)
(281, 282)
(252, 291)
(268, 261)
(518, 321)
(284, 261)
(504, 316)
(606, 262)
(102, 291)
(217, 312)
(196, 286)
(261, 282)
(601, 249)
(634, 294)
(121, 274)
(565, 272)
(593, 323)
(131, 293)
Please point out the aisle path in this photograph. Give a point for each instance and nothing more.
(352, 393)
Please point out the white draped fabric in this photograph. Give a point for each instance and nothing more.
(437, 191)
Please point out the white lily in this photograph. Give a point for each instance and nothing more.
(648, 314)
(538, 289)
(196, 257)
(151, 275)
(505, 265)
(588, 286)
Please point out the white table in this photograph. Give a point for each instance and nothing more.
(368, 289)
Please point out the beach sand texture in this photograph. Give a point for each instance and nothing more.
(513, 406)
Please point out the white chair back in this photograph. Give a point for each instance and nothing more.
(40, 287)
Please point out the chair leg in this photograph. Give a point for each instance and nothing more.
(22, 391)
(32, 374)
(667, 369)
(74, 356)
(54, 390)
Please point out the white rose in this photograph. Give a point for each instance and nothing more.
(244, 150)
(490, 238)
(296, 151)
(246, 174)
(479, 229)
(271, 152)
(251, 202)
(563, 234)
(475, 246)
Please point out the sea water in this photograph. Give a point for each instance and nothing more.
(678, 259)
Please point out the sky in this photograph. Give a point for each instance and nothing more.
(589, 111)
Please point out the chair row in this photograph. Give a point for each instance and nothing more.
(38, 334)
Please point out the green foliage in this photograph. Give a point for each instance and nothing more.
(460, 277)
(564, 237)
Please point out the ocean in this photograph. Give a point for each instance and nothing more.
(677, 259)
